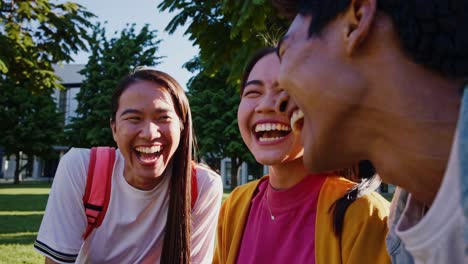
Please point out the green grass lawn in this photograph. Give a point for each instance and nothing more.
(21, 210)
(226, 194)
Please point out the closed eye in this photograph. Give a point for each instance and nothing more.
(164, 118)
(251, 93)
(132, 118)
(251, 88)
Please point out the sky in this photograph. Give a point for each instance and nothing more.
(176, 48)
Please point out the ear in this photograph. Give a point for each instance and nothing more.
(114, 129)
(181, 126)
(360, 17)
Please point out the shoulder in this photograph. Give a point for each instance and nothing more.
(245, 188)
(369, 209)
(243, 194)
(73, 167)
(365, 229)
(337, 185)
(78, 152)
(369, 212)
(208, 180)
(76, 157)
(373, 203)
(332, 189)
(207, 175)
(366, 207)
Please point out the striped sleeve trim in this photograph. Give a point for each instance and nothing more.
(56, 255)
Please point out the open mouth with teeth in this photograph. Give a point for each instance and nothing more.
(148, 154)
(269, 132)
(297, 121)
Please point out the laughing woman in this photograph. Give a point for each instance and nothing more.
(149, 217)
(291, 216)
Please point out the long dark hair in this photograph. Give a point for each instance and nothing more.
(176, 245)
(364, 172)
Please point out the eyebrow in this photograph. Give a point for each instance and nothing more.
(135, 111)
(130, 111)
(253, 82)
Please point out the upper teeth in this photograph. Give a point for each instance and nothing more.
(296, 116)
(271, 126)
(148, 150)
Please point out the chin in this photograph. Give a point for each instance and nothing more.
(269, 161)
(152, 173)
(266, 162)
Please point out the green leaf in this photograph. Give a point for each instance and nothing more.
(110, 60)
(3, 67)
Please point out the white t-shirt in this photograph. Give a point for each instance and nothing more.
(437, 236)
(133, 228)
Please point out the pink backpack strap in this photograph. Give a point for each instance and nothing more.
(98, 186)
(194, 184)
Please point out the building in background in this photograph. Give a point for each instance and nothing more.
(245, 174)
(71, 80)
(67, 104)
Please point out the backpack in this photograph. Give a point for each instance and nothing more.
(98, 186)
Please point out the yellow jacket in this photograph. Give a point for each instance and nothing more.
(364, 229)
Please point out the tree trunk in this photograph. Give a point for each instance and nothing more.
(17, 169)
(234, 171)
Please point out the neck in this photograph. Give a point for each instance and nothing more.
(288, 174)
(414, 124)
(144, 184)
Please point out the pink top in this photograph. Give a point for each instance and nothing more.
(289, 238)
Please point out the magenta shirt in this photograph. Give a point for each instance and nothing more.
(290, 238)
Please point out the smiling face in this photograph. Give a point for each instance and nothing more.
(316, 72)
(147, 131)
(264, 128)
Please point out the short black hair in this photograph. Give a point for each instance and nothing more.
(433, 33)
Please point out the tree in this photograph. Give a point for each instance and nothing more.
(33, 36)
(217, 137)
(29, 122)
(37, 34)
(110, 60)
(226, 31)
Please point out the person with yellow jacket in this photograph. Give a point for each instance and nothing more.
(292, 216)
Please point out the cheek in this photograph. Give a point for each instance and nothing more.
(122, 133)
(300, 84)
(170, 137)
(294, 73)
(174, 131)
(243, 120)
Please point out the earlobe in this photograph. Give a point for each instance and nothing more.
(112, 125)
(360, 17)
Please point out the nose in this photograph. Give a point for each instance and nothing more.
(266, 103)
(282, 102)
(150, 131)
